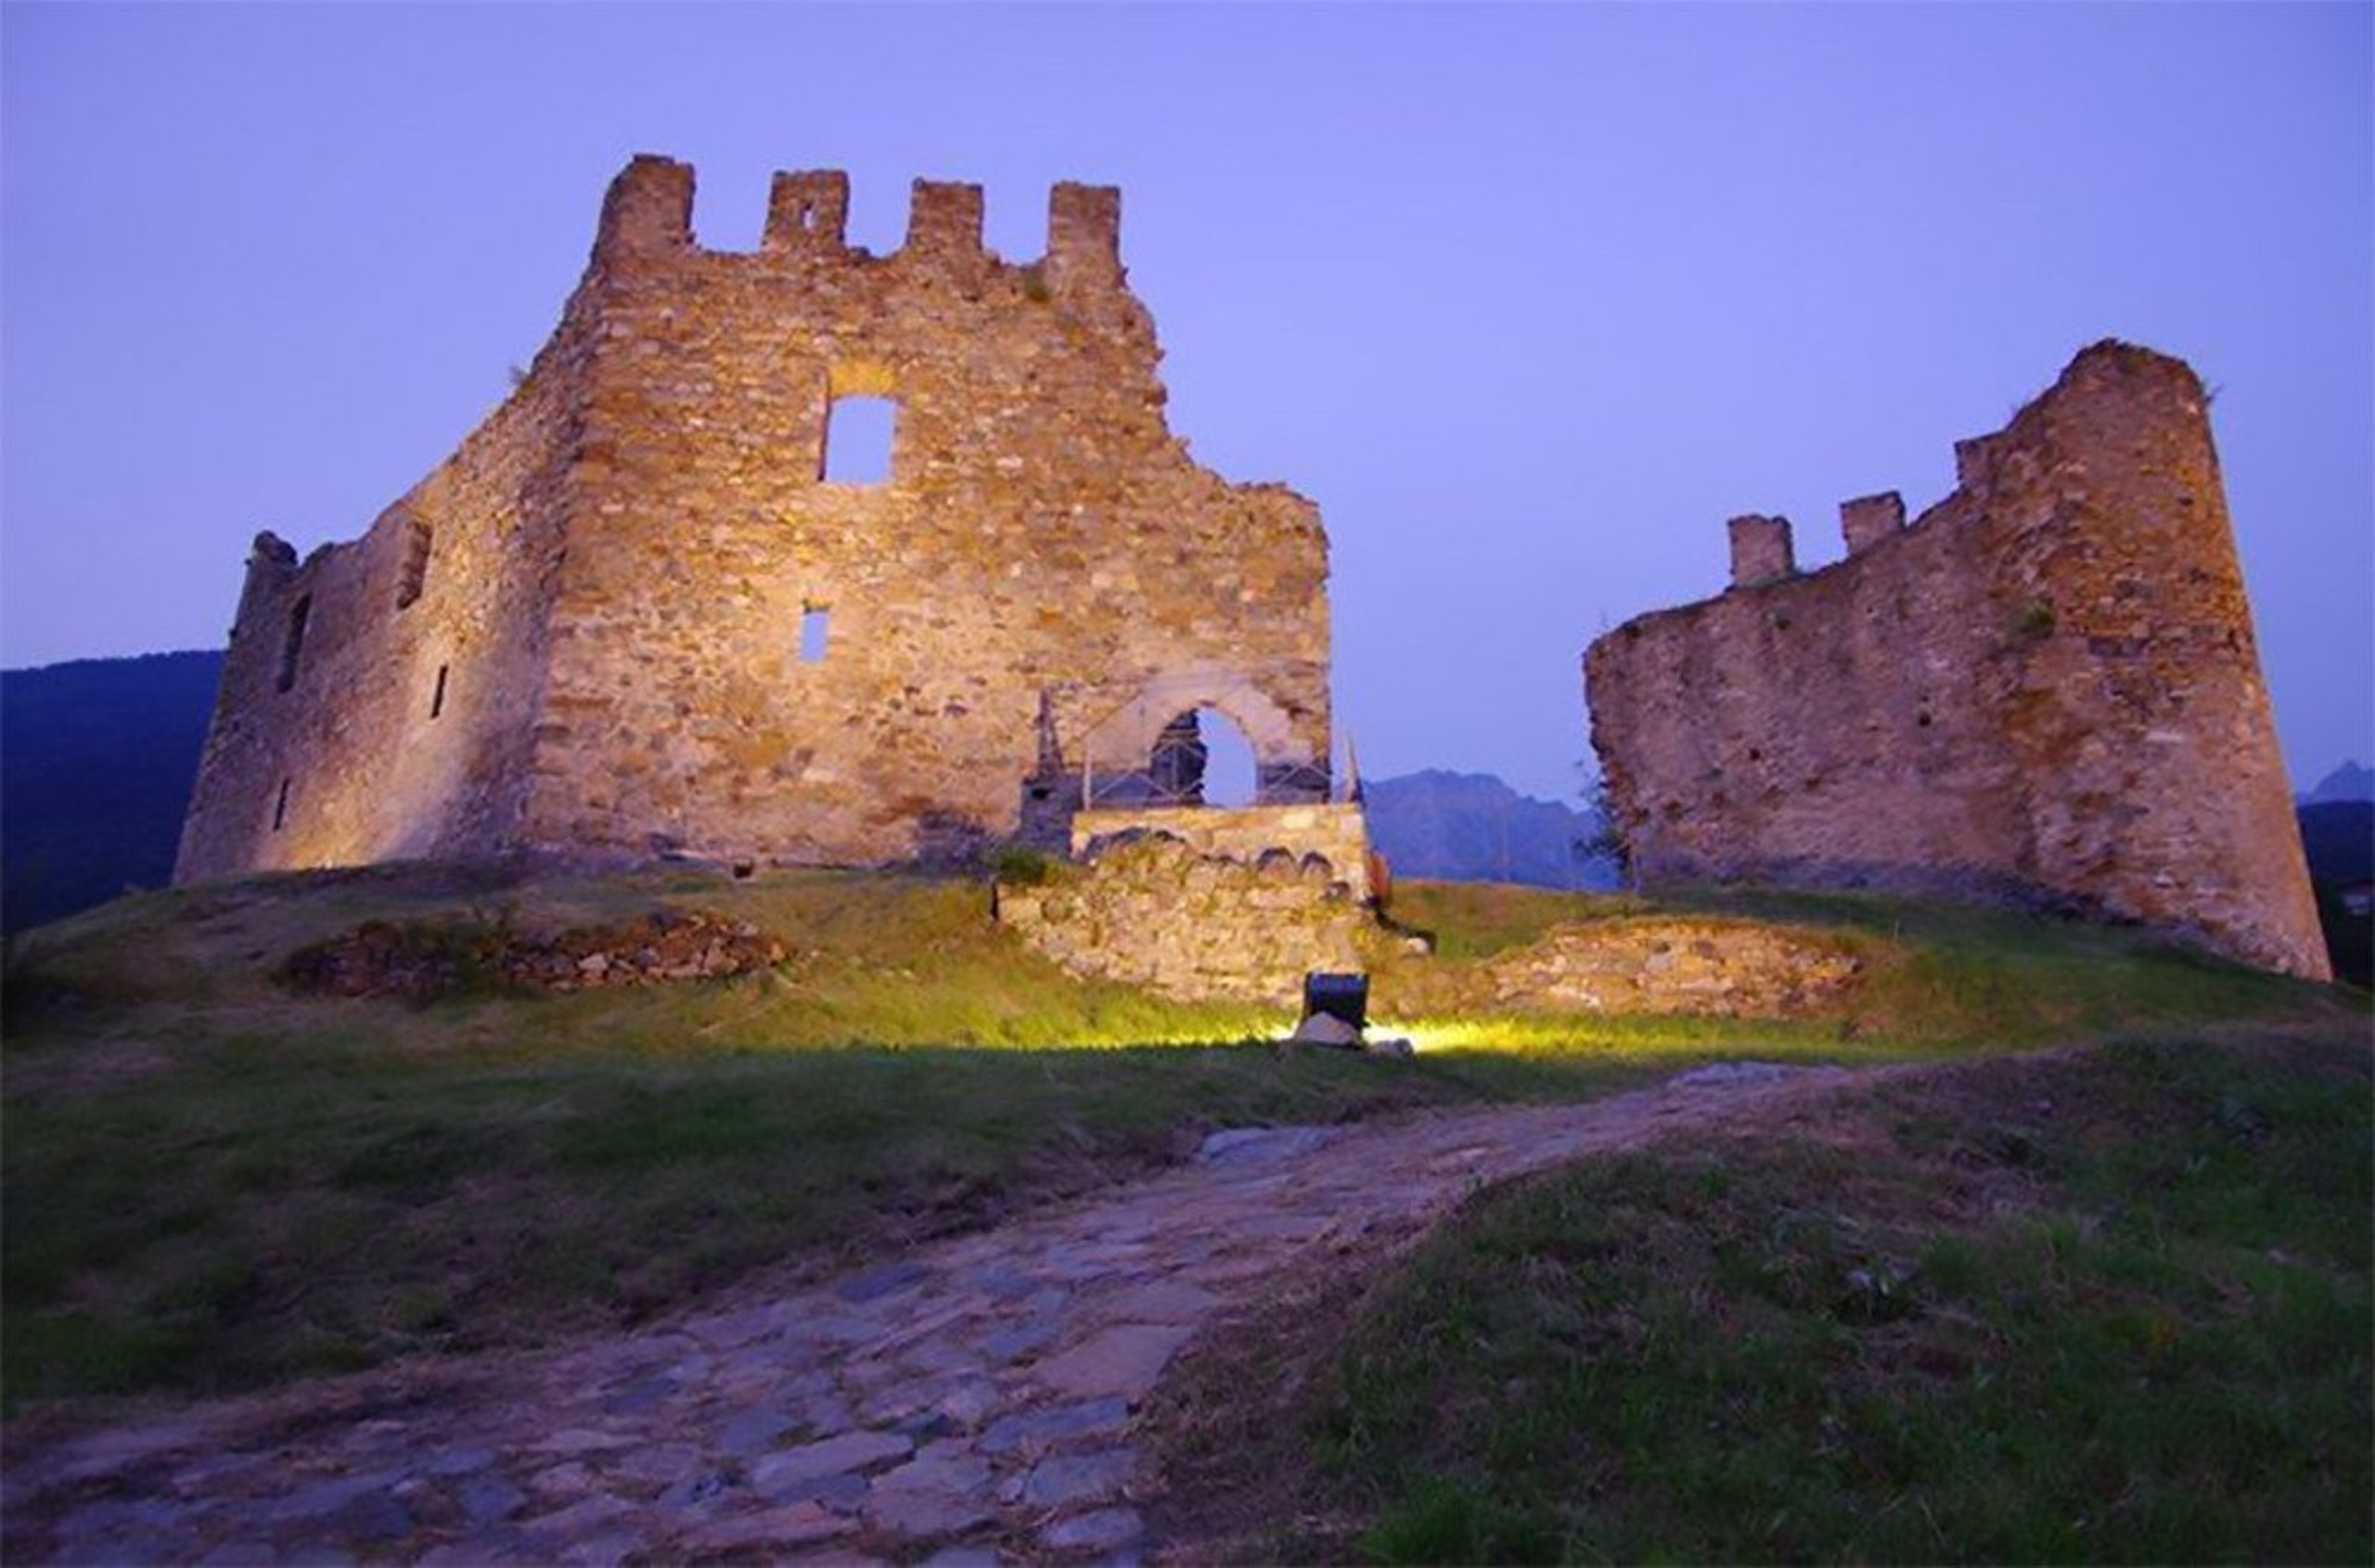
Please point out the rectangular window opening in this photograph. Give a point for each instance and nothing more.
(437, 698)
(295, 642)
(280, 807)
(858, 434)
(419, 541)
(816, 629)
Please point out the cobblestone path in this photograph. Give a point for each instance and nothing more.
(973, 1401)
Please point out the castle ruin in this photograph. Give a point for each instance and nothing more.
(2043, 690)
(638, 614)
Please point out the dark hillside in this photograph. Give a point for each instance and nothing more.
(2338, 837)
(97, 760)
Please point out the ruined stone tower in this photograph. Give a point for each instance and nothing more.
(633, 616)
(2045, 689)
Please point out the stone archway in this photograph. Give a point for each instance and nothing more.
(1121, 747)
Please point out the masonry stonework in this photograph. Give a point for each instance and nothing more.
(1148, 907)
(630, 617)
(2045, 689)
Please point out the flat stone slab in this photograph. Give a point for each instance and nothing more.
(1124, 1361)
(1042, 1429)
(1160, 1300)
(850, 1451)
(797, 1525)
(1107, 1529)
(1724, 1074)
(928, 1516)
(1079, 1478)
(876, 1283)
(1262, 1145)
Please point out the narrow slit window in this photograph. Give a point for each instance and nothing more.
(417, 543)
(280, 807)
(294, 644)
(858, 440)
(437, 698)
(816, 630)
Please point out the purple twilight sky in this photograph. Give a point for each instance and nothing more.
(1529, 299)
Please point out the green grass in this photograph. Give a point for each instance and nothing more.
(214, 1183)
(2110, 1306)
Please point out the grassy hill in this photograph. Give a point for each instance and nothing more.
(217, 1180)
(2108, 1301)
(2105, 1304)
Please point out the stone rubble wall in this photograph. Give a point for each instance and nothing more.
(2045, 690)
(620, 561)
(1337, 833)
(1727, 968)
(1195, 924)
(423, 960)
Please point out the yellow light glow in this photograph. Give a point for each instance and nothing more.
(1433, 1036)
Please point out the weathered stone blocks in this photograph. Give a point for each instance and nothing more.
(585, 635)
(1205, 905)
(2045, 690)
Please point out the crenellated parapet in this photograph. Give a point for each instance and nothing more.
(648, 219)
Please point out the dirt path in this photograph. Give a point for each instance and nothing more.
(976, 1398)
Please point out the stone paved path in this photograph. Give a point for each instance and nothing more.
(974, 1400)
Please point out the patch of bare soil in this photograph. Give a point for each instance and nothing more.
(1228, 1425)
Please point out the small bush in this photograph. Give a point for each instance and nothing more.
(1018, 867)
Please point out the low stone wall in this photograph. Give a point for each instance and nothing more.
(1154, 911)
(1735, 969)
(423, 960)
(1337, 833)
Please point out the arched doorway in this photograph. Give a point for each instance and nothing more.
(1202, 758)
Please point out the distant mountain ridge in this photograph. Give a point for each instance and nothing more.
(2350, 781)
(1473, 827)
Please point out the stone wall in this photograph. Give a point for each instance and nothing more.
(2045, 689)
(1337, 835)
(1149, 908)
(377, 697)
(621, 561)
(1729, 967)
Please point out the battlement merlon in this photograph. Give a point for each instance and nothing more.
(648, 214)
(1867, 520)
(1083, 237)
(944, 225)
(807, 211)
(1761, 550)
